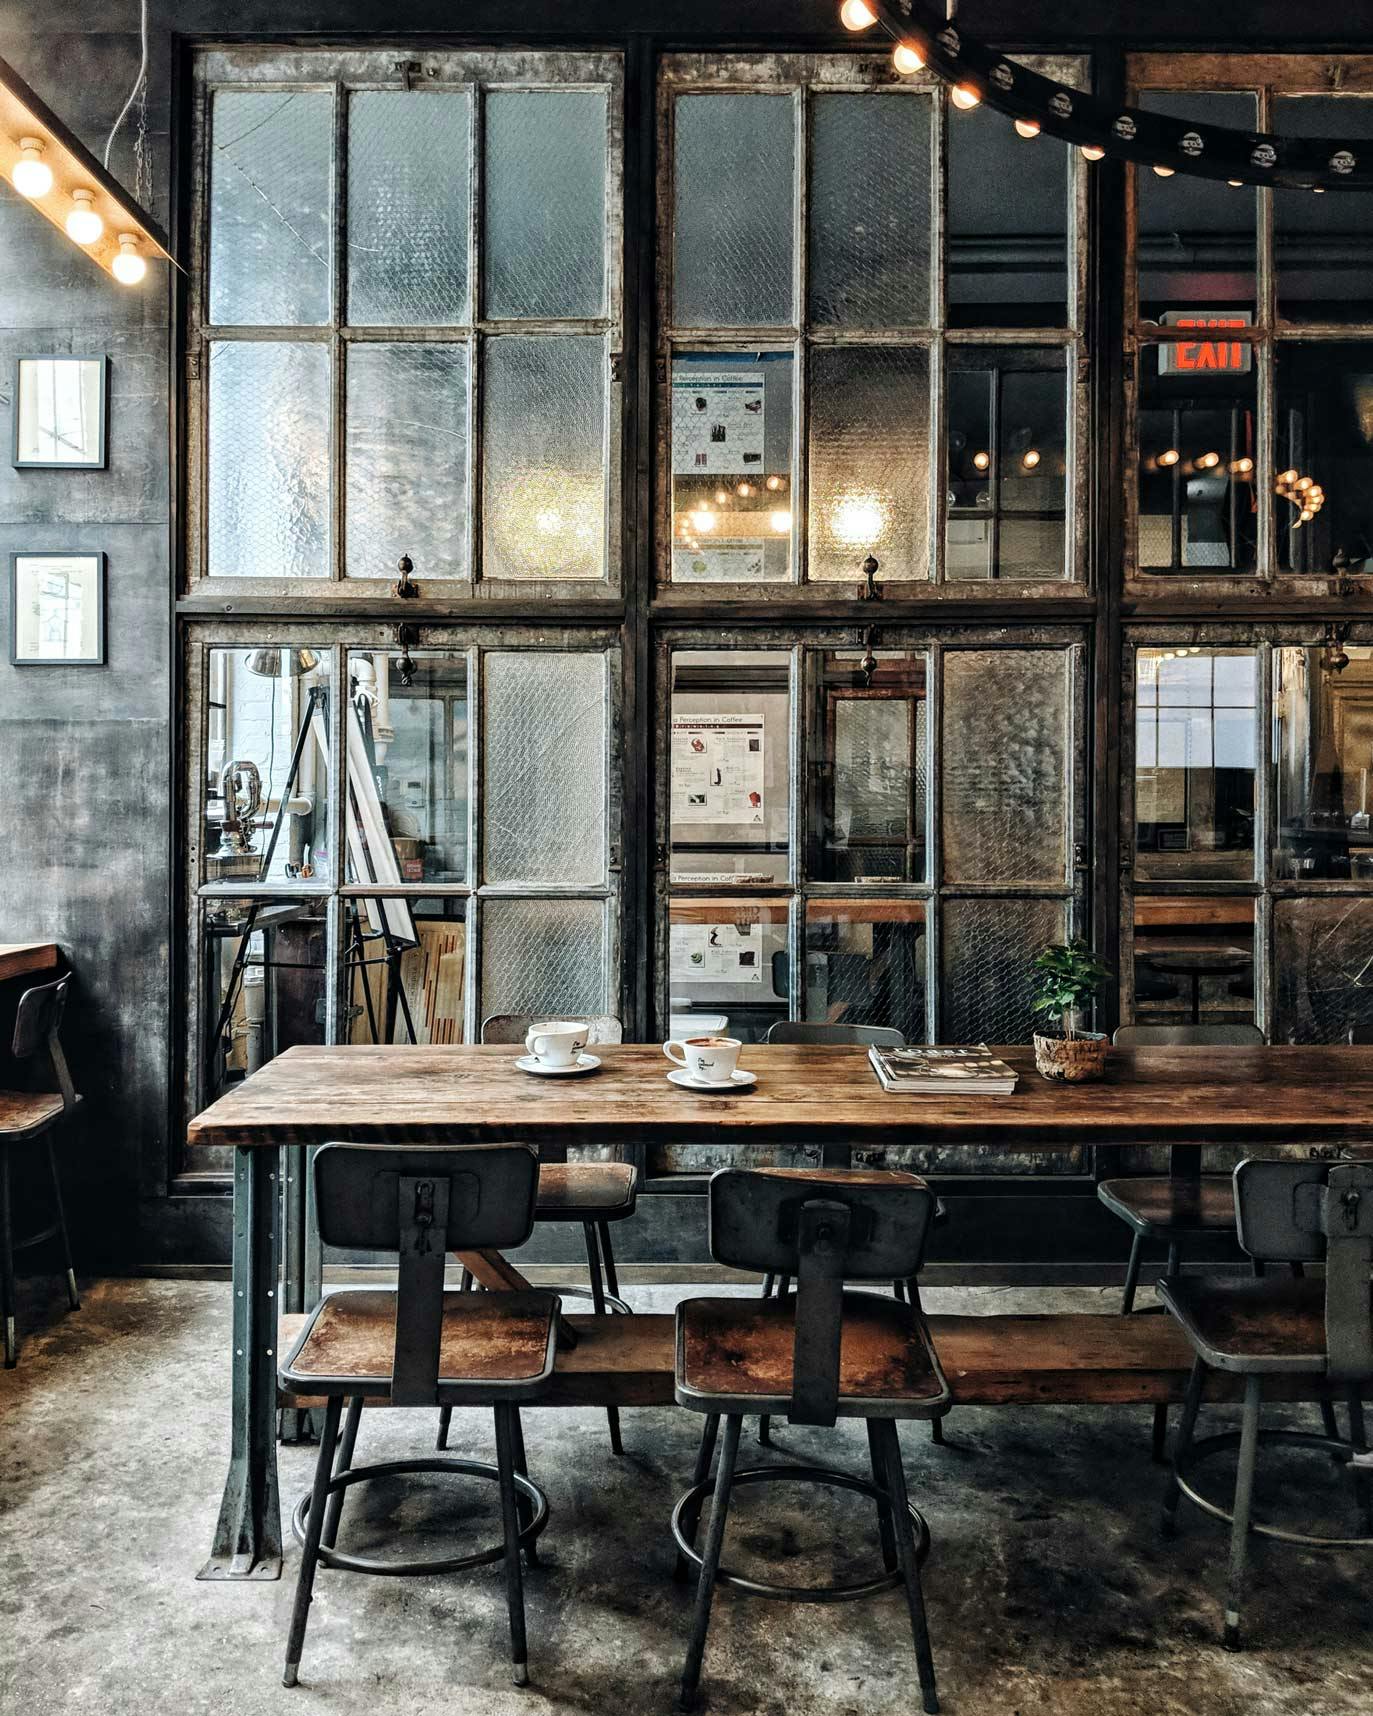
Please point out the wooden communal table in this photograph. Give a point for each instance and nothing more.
(806, 1095)
(18, 958)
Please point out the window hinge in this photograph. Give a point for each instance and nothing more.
(193, 364)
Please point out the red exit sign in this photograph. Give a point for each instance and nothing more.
(1207, 355)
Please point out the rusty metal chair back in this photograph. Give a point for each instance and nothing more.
(864, 1036)
(37, 1022)
(422, 1202)
(513, 1027)
(821, 1229)
(1314, 1211)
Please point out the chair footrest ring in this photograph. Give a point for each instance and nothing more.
(609, 1300)
(1205, 1446)
(686, 1515)
(409, 1569)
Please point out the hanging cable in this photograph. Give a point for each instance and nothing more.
(137, 82)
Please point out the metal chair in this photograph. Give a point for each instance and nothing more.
(821, 1355)
(419, 1346)
(1279, 1327)
(25, 1117)
(592, 1193)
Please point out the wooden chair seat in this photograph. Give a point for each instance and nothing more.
(729, 1348)
(348, 1345)
(1266, 1326)
(1157, 1205)
(24, 1112)
(586, 1191)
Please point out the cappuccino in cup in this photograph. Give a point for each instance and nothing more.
(556, 1043)
(710, 1060)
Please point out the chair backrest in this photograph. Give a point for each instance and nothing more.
(1305, 1211)
(1187, 1036)
(883, 1036)
(421, 1202)
(36, 1024)
(514, 1027)
(820, 1227)
(1361, 1033)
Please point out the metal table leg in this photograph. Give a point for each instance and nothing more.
(247, 1541)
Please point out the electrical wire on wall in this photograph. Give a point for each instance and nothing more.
(138, 93)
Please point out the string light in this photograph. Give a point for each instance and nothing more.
(1208, 461)
(84, 225)
(965, 95)
(128, 267)
(32, 176)
(1093, 151)
(1242, 467)
(775, 483)
(780, 522)
(1027, 127)
(1288, 478)
(1030, 458)
(1163, 172)
(857, 15)
(1170, 457)
(744, 489)
(981, 461)
(907, 58)
(722, 497)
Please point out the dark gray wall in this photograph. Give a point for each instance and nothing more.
(85, 774)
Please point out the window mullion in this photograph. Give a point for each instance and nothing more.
(934, 834)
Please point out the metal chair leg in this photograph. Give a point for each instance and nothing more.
(612, 1280)
(465, 1283)
(1159, 1438)
(314, 1526)
(890, 1449)
(7, 1262)
(1191, 1405)
(765, 1423)
(1358, 1438)
(329, 1536)
(769, 1286)
(524, 1505)
(1330, 1425)
(514, 1579)
(73, 1297)
(1244, 1495)
(884, 1525)
(1174, 1259)
(445, 1419)
(1127, 1303)
(704, 1454)
(593, 1264)
(710, 1562)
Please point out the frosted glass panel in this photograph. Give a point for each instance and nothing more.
(733, 228)
(545, 767)
(870, 210)
(268, 492)
(987, 948)
(544, 957)
(408, 205)
(407, 459)
(869, 462)
(270, 207)
(545, 170)
(1323, 955)
(1006, 730)
(543, 457)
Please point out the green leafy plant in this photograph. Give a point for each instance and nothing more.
(1067, 978)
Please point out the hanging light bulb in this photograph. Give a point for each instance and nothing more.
(1306, 515)
(128, 267)
(907, 58)
(965, 95)
(1235, 183)
(744, 489)
(1164, 172)
(857, 15)
(1030, 458)
(981, 461)
(1287, 478)
(1242, 467)
(1208, 461)
(1302, 484)
(1170, 457)
(1027, 127)
(780, 522)
(775, 483)
(722, 497)
(1093, 151)
(32, 176)
(84, 225)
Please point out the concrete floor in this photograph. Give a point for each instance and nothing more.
(1049, 1589)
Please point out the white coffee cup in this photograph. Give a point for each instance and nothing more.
(556, 1043)
(710, 1060)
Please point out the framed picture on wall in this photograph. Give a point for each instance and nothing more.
(57, 609)
(61, 413)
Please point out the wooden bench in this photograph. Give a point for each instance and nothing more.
(1073, 1360)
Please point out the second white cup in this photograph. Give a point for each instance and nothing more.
(709, 1059)
(556, 1043)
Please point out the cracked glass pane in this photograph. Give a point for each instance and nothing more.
(270, 207)
(544, 772)
(734, 220)
(865, 964)
(409, 198)
(268, 490)
(987, 947)
(870, 211)
(406, 471)
(545, 957)
(545, 215)
(1323, 954)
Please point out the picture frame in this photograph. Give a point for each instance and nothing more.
(57, 608)
(61, 407)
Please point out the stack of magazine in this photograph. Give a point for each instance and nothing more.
(942, 1072)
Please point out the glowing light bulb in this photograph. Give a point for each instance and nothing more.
(907, 58)
(1208, 461)
(776, 483)
(704, 522)
(857, 520)
(1171, 457)
(32, 175)
(1302, 484)
(1030, 458)
(1093, 151)
(1027, 127)
(1287, 478)
(721, 496)
(1236, 183)
(780, 522)
(1306, 515)
(84, 225)
(981, 461)
(1243, 466)
(1164, 172)
(857, 15)
(744, 489)
(128, 267)
(965, 95)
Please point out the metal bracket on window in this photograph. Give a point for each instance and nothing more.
(409, 70)
(867, 667)
(870, 591)
(1335, 658)
(405, 585)
(405, 668)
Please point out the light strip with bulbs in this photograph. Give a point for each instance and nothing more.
(53, 170)
(977, 73)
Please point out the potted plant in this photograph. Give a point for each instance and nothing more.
(1067, 977)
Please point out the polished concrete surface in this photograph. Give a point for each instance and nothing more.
(1049, 1588)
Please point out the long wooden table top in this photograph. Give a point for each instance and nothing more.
(469, 1094)
(17, 958)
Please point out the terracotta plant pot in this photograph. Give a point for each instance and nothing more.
(1072, 1059)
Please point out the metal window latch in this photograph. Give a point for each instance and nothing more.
(405, 585)
(871, 591)
(424, 1213)
(405, 666)
(867, 667)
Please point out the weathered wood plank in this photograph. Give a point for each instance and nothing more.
(17, 958)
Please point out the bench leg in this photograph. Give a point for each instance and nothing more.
(710, 1562)
(1244, 1495)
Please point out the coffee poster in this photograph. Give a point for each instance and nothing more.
(717, 422)
(717, 770)
(717, 953)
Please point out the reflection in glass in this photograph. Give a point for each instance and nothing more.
(728, 967)
(731, 467)
(1195, 724)
(987, 947)
(865, 964)
(869, 770)
(1194, 961)
(1321, 249)
(1323, 969)
(1324, 456)
(1197, 237)
(1323, 761)
(1198, 505)
(1007, 470)
(731, 782)
(405, 965)
(266, 807)
(408, 764)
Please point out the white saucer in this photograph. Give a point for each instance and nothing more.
(739, 1080)
(584, 1063)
